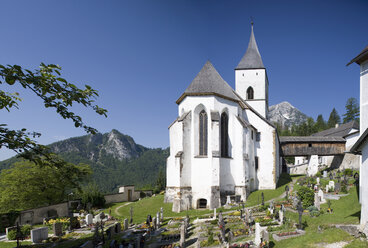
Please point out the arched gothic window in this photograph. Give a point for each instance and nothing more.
(203, 133)
(250, 93)
(224, 135)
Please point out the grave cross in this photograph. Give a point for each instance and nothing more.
(131, 215)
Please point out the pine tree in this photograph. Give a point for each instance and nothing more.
(333, 119)
(320, 124)
(352, 110)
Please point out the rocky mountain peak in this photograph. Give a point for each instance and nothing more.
(286, 114)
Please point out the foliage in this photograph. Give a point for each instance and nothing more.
(333, 119)
(320, 124)
(318, 174)
(26, 185)
(352, 110)
(92, 195)
(56, 93)
(64, 221)
(161, 180)
(348, 172)
(12, 234)
(306, 195)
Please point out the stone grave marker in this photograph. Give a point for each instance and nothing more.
(317, 202)
(214, 214)
(118, 227)
(126, 224)
(182, 236)
(154, 222)
(162, 214)
(317, 179)
(338, 186)
(158, 219)
(228, 200)
(131, 215)
(265, 236)
(113, 243)
(57, 229)
(331, 185)
(89, 219)
(39, 234)
(281, 216)
(88, 244)
(257, 239)
(324, 174)
(321, 195)
(230, 237)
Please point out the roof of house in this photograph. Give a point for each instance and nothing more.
(356, 148)
(311, 139)
(209, 82)
(341, 131)
(252, 58)
(362, 56)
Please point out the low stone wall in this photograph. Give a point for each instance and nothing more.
(36, 215)
(121, 197)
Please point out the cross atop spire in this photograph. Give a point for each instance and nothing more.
(252, 58)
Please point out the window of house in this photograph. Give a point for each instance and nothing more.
(203, 133)
(258, 136)
(250, 93)
(256, 162)
(224, 135)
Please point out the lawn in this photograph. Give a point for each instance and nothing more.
(345, 211)
(13, 244)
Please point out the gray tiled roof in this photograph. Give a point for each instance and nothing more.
(362, 56)
(357, 147)
(311, 139)
(252, 58)
(341, 131)
(209, 82)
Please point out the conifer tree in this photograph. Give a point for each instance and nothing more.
(333, 119)
(320, 124)
(352, 110)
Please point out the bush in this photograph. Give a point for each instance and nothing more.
(12, 234)
(26, 230)
(348, 172)
(306, 195)
(91, 194)
(318, 174)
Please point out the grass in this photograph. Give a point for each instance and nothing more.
(345, 211)
(13, 244)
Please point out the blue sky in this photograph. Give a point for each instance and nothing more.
(141, 56)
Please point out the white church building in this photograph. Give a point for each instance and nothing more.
(222, 143)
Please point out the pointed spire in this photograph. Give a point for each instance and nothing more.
(252, 58)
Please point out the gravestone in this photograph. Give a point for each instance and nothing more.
(39, 234)
(162, 214)
(317, 202)
(118, 227)
(228, 200)
(331, 185)
(154, 222)
(230, 237)
(281, 217)
(89, 219)
(131, 215)
(295, 201)
(182, 236)
(338, 186)
(88, 244)
(158, 219)
(57, 229)
(321, 195)
(113, 243)
(324, 174)
(317, 179)
(262, 196)
(257, 238)
(214, 214)
(265, 236)
(126, 224)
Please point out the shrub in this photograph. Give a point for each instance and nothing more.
(348, 172)
(26, 230)
(306, 195)
(12, 234)
(318, 174)
(91, 194)
(344, 189)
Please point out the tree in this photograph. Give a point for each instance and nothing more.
(320, 124)
(27, 185)
(90, 194)
(161, 180)
(56, 93)
(352, 110)
(333, 119)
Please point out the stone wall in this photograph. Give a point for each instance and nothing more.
(36, 215)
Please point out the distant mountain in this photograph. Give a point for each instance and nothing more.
(286, 114)
(114, 158)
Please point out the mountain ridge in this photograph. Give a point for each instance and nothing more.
(286, 114)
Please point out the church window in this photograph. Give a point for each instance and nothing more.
(258, 136)
(224, 135)
(203, 133)
(256, 162)
(252, 133)
(256, 73)
(250, 93)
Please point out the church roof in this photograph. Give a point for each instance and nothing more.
(362, 56)
(341, 131)
(209, 82)
(252, 58)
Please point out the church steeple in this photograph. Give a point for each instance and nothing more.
(252, 58)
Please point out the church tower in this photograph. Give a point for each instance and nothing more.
(251, 81)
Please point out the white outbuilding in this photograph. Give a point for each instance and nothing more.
(222, 144)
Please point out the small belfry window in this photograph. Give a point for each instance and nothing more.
(256, 162)
(203, 133)
(224, 135)
(250, 93)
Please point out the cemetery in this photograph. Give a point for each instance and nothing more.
(320, 209)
